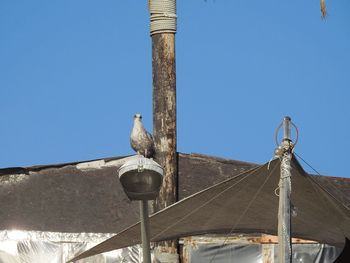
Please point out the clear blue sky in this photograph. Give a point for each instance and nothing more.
(74, 72)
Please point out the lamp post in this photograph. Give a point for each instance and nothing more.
(141, 179)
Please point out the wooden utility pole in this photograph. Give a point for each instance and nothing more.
(163, 28)
(284, 219)
(164, 115)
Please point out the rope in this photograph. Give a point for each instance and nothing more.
(285, 170)
(310, 178)
(207, 202)
(307, 163)
(162, 16)
(326, 206)
(285, 174)
(244, 213)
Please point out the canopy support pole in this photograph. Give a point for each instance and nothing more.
(284, 219)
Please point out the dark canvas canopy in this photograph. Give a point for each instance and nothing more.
(246, 203)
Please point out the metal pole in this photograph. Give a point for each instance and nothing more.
(286, 128)
(284, 223)
(146, 251)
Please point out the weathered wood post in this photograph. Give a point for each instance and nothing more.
(163, 29)
(284, 211)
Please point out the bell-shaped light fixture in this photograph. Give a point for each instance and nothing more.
(141, 178)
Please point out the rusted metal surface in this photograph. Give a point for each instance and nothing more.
(240, 238)
(270, 239)
(164, 122)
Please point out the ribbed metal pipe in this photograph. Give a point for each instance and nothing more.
(162, 16)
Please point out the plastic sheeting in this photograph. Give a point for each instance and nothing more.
(317, 253)
(216, 253)
(258, 253)
(51, 247)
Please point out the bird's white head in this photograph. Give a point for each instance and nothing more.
(137, 116)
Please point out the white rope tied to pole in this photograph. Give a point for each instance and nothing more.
(285, 171)
(162, 16)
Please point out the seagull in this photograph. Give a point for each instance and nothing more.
(141, 140)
